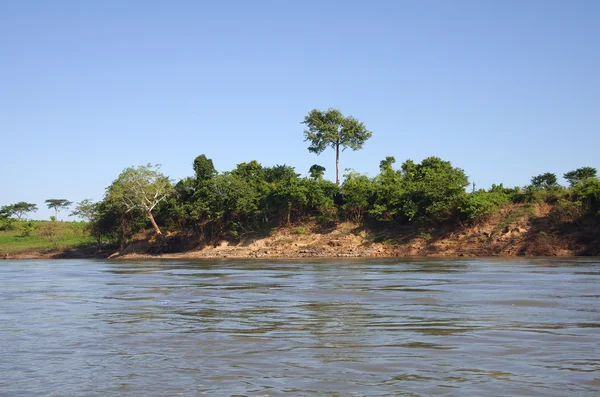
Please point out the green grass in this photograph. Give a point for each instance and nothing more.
(22, 236)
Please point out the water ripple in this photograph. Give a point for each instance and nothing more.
(242, 328)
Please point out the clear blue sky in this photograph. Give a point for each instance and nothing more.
(503, 89)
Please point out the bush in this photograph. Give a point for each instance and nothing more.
(300, 230)
(7, 224)
(566, 211)
(548, 195)
(587, 193)
(481, 204)
(357, 190)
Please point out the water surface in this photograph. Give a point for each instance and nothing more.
(241, 328)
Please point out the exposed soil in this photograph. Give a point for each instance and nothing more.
(515, 231)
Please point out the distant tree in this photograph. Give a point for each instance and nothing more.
(5, 212)
(92, 213)
(18, 209)
(544, 181)
(57, 205)
(579, 175)
(331, 128)
(86, 209)
(316, 171)
(204, 168)
(140, 188)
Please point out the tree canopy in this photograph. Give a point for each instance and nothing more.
(142, 187)
(57, 205)
(579, 175)
(331, 129)
(316, 171)
(19, 209)
(545, 181)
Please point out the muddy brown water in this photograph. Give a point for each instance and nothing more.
(512, 327)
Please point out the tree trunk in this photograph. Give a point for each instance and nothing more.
(153, 222)
(337, 163)
(123, 233)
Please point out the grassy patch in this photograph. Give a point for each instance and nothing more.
(30, 237)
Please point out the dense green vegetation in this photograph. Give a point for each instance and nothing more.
(251, 198)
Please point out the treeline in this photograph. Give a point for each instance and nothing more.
(253, 198)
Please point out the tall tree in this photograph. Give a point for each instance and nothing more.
(142, 188)
(331, 128)
(18, 209)
(579, 175)
(57, 205)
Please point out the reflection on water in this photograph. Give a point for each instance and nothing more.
(376, 328)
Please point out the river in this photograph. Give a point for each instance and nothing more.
(513, 327)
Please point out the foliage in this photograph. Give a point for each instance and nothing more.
(57, 205)
(50, 231)
(331, 129)
(433, 189)
(26, 228)
(18, 210)
(140, 188)
(566, 211)
(94, 214)
(357, 191)
(254, 198)
(588, 194)
(300, 230)
(204, 168)
(544, 181)
(316, 171)
(579, 175)
(388, 192)
(481, 204)
(543, 188)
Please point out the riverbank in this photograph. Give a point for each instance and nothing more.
(513, 232)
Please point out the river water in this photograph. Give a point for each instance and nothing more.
(329, 328)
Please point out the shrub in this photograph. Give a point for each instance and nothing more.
(566, 211)
(481, 204)
(300, 230)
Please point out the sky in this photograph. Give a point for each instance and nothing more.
(504, 90)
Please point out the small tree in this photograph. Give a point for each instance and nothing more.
(331, 128)
(58, 205)
(86, 209)
(140, 188)
(18, 209)
(316, 172)
(90, 211)
(544, 181)
(579, 175)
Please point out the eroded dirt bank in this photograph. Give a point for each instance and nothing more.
(515, 231)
